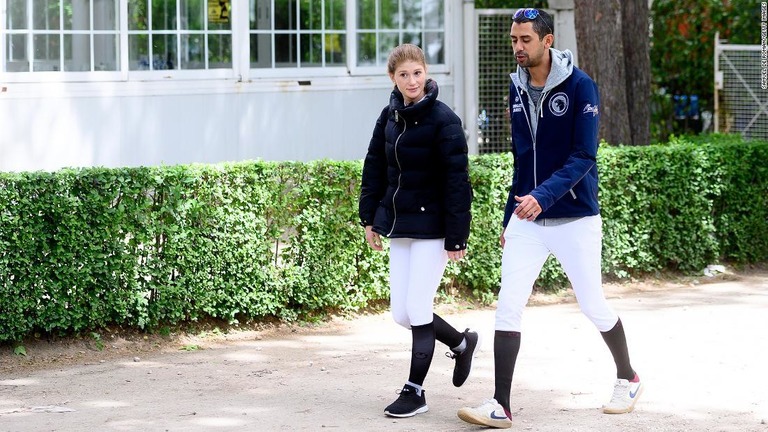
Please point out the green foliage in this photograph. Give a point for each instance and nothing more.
(154, 248)
(491, 177)
(683, 205)
(683, 40)
(98, 342)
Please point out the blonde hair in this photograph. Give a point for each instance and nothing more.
(403, 53)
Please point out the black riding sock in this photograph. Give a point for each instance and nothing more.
(421, 352)
(506, 345)
(446, 333)
(617, 343)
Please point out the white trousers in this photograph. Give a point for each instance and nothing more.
(415, 270)
(576, 245)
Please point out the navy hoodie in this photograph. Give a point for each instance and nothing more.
(554, 144)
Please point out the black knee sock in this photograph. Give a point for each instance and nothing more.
(446, 333)
(617, 343)
(421, 352)
(506, 345)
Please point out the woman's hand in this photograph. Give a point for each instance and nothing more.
(457, 255)
(373, 238)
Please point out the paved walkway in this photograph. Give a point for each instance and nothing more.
(701, 350)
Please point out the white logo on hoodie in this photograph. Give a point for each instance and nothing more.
(558, 104)
(589, 108)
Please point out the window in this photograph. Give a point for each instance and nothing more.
(105, 40)
(384, 24)
(297, 33)
(179, 34)
(66, 35)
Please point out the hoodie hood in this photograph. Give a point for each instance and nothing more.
(562, 68)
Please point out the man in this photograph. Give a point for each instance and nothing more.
(552, 208)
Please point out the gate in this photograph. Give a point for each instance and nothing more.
(495, 61)
(741, 102)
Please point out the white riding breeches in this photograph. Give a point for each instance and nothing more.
(577, 245)
(416, 268)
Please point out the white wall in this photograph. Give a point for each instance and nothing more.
(53, 124)
(46, 126)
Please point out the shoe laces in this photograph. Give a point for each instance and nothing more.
(452, 355)
(620, 389)
(405, 393)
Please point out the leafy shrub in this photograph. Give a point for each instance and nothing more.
(154, 247)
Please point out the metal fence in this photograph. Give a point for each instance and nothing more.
(495, 62)
(741, 105)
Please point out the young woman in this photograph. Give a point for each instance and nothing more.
(416, 191)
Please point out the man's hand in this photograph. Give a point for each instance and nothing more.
(528, 208)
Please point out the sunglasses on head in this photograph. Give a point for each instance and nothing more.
(531, 14)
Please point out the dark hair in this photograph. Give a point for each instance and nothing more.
(542, 24)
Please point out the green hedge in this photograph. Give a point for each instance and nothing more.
(81, 249)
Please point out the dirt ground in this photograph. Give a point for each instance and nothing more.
(699, 344)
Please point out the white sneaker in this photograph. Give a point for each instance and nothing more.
(625, 395)
(490, 414)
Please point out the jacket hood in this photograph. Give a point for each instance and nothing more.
(396, 103)
(562, 68)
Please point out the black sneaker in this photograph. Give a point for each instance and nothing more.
(464, 358)
(408, 404)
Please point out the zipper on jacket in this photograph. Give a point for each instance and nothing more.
(400, 172)
(541, 116)
(573, 194)
(520, 93)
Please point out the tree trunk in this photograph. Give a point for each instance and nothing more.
(637, 60)
(601, 55)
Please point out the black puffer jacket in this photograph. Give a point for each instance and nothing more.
(415, 177)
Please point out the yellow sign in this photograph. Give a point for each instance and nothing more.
(218, 11)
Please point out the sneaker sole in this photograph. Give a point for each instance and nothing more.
(627, 410)
(420, 410)
(470, 417)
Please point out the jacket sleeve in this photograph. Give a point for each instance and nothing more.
(374, 181)
(583, 155)
(452, 145)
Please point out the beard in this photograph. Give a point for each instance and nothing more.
(526, 60)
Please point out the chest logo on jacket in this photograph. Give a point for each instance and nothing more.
(517, 106)
(558, 104)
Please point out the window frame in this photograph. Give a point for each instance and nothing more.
(377, 69)
(241, 69)
(53, 76)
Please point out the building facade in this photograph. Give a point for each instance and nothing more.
(150, 82)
